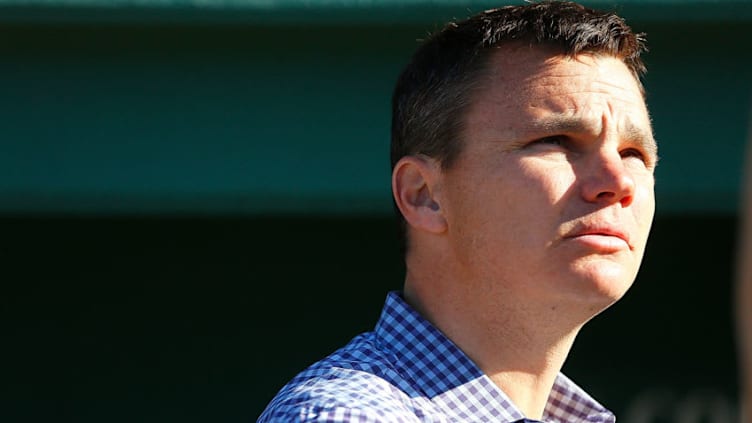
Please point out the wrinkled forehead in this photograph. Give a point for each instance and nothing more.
(513, 61)
(522, 74)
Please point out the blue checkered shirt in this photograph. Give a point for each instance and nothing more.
(406, 370)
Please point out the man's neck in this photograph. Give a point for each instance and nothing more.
(526, 373)
(522, 355)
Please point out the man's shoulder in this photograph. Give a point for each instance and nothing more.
(338, 394)
(358, 382)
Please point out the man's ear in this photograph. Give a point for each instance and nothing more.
(414, 186)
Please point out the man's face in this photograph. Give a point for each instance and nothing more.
(552, 198)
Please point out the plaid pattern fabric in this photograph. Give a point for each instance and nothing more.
(408, 371)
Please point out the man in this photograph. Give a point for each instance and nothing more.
(523, 161)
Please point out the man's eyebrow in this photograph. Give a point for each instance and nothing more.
(560, 124)
(641, 136)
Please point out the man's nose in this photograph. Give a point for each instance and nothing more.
(608, 180)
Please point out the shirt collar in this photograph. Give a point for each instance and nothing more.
(448, 378)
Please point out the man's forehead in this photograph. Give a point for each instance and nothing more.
(548, 81)
(519, 76)
(517, 62)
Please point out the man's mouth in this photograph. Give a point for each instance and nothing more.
(604, 238)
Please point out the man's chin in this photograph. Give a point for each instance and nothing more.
(601, 284)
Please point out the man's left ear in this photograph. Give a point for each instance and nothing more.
(415, 190)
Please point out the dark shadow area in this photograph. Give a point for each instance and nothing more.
(204, 319)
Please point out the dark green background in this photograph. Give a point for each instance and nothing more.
(194, 204)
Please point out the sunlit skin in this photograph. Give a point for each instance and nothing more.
(553, 192)
(541, 222)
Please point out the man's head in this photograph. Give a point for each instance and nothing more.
(433, 92)
(522, 149)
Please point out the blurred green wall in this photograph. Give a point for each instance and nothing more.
(176, 114)
(194, 201)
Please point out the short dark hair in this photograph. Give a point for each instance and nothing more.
(434, 90)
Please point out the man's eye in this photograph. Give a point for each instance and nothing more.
(631, 152)
(553, 140)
